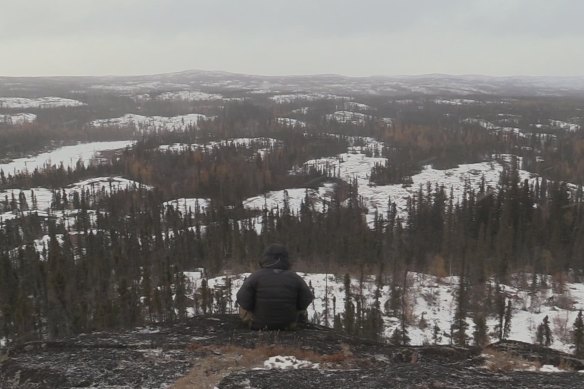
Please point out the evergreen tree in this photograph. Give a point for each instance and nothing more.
(480, 336)
(500, 311)
(400, 335)
(544, 333)
(436, 337)
(507, 324)
(180, 299)
(459, 324)
(579, 335)
(349, 316)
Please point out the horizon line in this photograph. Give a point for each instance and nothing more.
(296, 75)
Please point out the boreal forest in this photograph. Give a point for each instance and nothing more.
(174, 195)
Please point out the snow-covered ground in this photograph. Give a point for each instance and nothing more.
(356, 118)
(67, 155)
(293, 196)
(513, 119)
(152, 123)
(565, 126)
(239, 142)
(302, 111)
(497, 129)
(39, 102)
(186, 205)
(189, 96)
(285, 362)
(290, 98)
(431, 303)
(355, 164)
(455, 101)
(481, 122)
(104, 185)
(290, 122)
(559, 125)
(351, 105)
(388, 121)
(18, 119)
(100, 186)
(129, 87)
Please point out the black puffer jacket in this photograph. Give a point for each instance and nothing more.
(274, 294)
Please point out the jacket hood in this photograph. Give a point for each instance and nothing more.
(275, 257)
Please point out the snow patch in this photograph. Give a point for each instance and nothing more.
(348, 117)
(237, 142)
(18, 119)
(189, 96)
(39, 102)
(455, 101)
(290, 98)
(67, 155)
(289, 362)
(571, 127)
(186, 205)
(433, 303)
(290, 122)
(140, 86)
(146, 124)
(351, 105)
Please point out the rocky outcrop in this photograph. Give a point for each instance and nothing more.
(218, 351)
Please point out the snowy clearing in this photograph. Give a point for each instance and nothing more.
(18, 119)
(186, 95)
(432, 303)
(133, 87)
(68, 156)
(348, 117)
(290, 122)
(39, 102)
(455, 101)
(237, 142)
(351, 105)
(289, 362)
(283, 99)
(186, 205)
(355, 164)
(152, 123)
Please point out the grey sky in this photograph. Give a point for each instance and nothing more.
(359, 37)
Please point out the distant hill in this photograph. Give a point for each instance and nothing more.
(407, 85)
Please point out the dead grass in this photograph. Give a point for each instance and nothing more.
(566, 366)
(502, 361)
(219, 361)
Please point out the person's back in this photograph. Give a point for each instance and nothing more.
(273, 297)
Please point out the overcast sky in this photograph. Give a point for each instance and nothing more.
(277, 37)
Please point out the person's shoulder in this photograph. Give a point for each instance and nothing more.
(295, 275)
(260, 273)
(254, 275)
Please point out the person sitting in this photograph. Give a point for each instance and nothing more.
(274, 298)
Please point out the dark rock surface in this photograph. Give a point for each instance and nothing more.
(399, 376)
(157, 357)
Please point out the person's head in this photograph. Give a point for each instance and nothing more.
(275, 257)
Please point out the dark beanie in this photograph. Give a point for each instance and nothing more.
(275, 256)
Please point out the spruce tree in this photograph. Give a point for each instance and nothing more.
(507, 324)
(500, 310)
(579, 336)
(480, 336)
(544, 334)
(349, 316)
(459, 324)
(436, 337)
